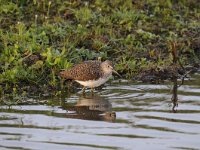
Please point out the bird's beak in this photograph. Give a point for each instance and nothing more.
(116, 73)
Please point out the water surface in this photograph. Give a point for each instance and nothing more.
(122, 115)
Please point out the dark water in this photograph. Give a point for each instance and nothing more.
(120, 116)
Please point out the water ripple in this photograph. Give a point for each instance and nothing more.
(124, 115)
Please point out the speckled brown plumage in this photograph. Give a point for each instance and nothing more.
(88, 70)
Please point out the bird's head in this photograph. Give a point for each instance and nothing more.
(107, 68)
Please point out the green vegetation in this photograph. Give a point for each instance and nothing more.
(38, 38)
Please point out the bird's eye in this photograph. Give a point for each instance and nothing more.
(108, 66)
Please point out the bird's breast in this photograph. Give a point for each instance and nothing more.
(93, 83)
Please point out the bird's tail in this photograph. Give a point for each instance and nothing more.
(65, 74)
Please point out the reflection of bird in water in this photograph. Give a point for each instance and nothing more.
(91, 107)
(94, 102)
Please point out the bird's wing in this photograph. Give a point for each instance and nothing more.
(89, 70)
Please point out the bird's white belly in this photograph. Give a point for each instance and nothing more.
(93, 83)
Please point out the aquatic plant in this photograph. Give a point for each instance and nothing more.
(39, 38)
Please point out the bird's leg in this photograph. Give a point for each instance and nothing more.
(92, 90)
(83, 90)
(69, 86)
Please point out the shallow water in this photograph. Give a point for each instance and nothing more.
(120, 116)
